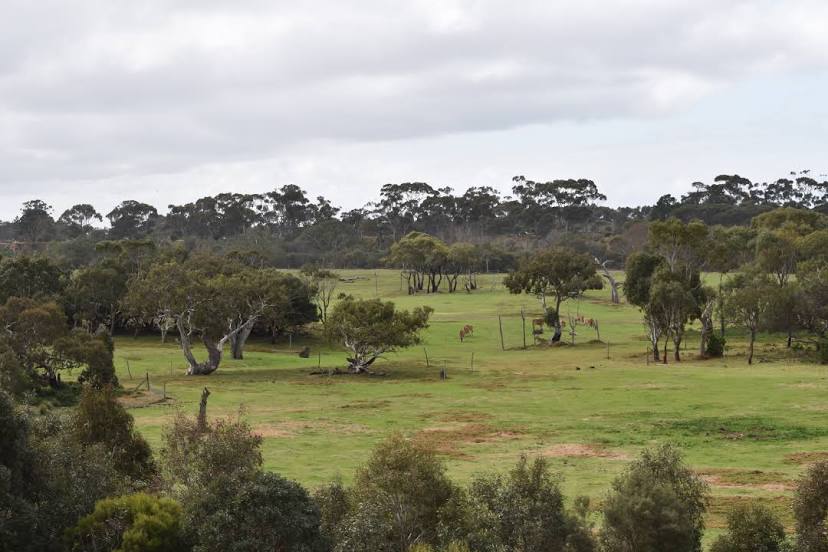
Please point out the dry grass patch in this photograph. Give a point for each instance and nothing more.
(577, 450)
(806, 457)
(291, 428)
(449, 439)
(457, 416)
(725, 478)
(720, 506)
(367, 404)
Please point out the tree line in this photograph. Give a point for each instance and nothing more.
(286, 227)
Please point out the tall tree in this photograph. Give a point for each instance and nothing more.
(640, 271)
(372, 328)
(79, 218)
(750, 294)
(131, 219)
(558, 273)
(35, 223)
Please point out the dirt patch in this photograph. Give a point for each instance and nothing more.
(577, 450)
(291, 428)
(747, 479)
(457, 416)
(806, 457)
(369, 404)
(450, 439)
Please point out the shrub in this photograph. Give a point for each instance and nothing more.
(657, 505)
(398, 497)
(715, 346)
(265, 512)
(811, 508)
(822, 351)
(751, 528)
(522, 512)
(99, 418)
(194, 458)
(132, 523)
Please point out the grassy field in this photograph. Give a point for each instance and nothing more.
(749, 430)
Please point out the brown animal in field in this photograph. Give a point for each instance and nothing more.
(468, 328)
(462, 335)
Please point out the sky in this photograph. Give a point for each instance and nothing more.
(167, 101)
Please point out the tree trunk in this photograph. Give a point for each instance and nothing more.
(213, 359)
(201, 422)
(359, 364)
(610, 279)
(707, 328)
(677, 352)
(238, 340)
(186, 347)
(721, 306)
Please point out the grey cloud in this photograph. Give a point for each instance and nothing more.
(96, 89)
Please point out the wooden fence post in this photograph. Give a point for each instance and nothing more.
(500, 322)
(472, 362)
(128, 370)
(428, 365)
(148, 384)
(523, 321)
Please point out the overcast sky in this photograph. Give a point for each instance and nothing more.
(167, 101)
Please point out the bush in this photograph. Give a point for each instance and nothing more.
(195, 458)
(14, 379)
(48, 480)
(522, 512)
(811, 508)
(397, 499)
(822, 351)
(265, 512)
(715, 346)
(74, 477)
(657, 505)
(99, 418)
(132, 523)
(751, 528)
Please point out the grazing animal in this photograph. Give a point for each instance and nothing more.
(462, 335)
(468, 328)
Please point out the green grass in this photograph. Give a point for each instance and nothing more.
(739, 425)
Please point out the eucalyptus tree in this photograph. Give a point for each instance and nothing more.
(370, 328)
(210, 300)
(750, 295)
(132, 219)
(79, 217)
(557, 273)
(35, 222)
(640, 271)
(422, 258)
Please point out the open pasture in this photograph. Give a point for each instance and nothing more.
(588, 408)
